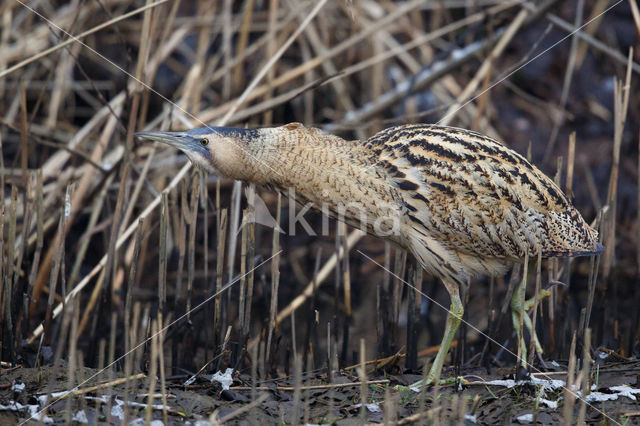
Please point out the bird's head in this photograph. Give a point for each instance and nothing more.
(221, 150)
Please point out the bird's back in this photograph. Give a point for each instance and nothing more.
(472, 202)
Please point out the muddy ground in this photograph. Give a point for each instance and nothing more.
(473, 398)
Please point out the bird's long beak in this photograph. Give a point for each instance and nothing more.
(179, 140)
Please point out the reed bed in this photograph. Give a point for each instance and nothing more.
(137, 287)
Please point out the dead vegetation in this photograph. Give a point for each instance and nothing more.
(129, 279)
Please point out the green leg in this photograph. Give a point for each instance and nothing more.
(453, 322)
(518, 310)
(528, 306)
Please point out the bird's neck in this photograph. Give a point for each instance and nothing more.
(288, 156)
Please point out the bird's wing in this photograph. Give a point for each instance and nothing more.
(476, 197)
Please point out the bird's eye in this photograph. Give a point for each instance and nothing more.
(204, 141)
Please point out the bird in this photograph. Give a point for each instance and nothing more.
(463, 204)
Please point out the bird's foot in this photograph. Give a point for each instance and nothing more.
(421, 385)
(531, 303)
(519, 309)
(528, 306)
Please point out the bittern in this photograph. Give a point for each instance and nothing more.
(462, 203)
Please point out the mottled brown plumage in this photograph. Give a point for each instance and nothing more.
(460, 202)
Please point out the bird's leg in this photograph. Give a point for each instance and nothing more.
(519, 317)
(520, 309)
(453, 322)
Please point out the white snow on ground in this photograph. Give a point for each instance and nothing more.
(374, 408)
(80, 417)
(471, 418)
(525, 418)
(601, 397)
(34, 411)
(553, 384)
(224, 379)
(625, 390)
(548, 403)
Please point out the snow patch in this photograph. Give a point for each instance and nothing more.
(525, 418)
(80, 417)
(17, 387)
(224, 379)
(471, 418)
(625, 390)
(548, 403)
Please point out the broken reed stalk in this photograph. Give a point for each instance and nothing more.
(594, 267)
(559, 119)
(181, 217)
(331, 364)
(128, 304)
(346, 282)
(250, 257)
(297, 393)
(254, 375)
(398, 270)
(162, 253)
(111, 371)
(411, 361)
(39, 232)
(336, 314)
(218, 326)
(133, 359)
(72, 361)
(204, 205)
(155, 327)
(193, 223)
(569, 393)
(415, 313)
(96, 210)
(311, 343)
(53, 278)
(67, 316)
(105, 385)
(636, 315)
(585, 385)
(571, 155)
(382, 304)
(275, 277)
(5, 292)
(234, 230)
(521, 297)
(9, 318)
(159, 339)
(620, 107)
(307, 394)
(566, 278)
(362, 375)
(242, 303)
